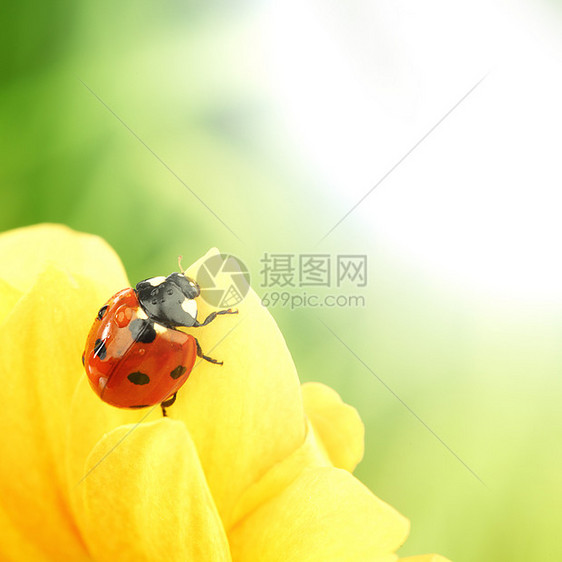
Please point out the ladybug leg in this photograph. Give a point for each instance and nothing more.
(213, 315)
(209, 359)
(167, 404)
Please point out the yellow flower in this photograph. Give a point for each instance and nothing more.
(250, 466)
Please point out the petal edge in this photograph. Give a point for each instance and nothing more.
(162, 496)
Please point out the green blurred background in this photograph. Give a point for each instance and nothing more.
(463, 423)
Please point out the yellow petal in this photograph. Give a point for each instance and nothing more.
(281, 475)
(25, 252)
(325, 514)
(89, 420)
(146, 498)
(425, 558)
(40, 362)
(336, 425)
(41, 341)
(247, 415)
(9, 296)
(15, 546)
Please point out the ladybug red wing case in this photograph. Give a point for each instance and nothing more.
(131, 362)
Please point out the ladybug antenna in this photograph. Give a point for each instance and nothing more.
(179, 263)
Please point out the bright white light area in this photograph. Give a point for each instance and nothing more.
(479, 201)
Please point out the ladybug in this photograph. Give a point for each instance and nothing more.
(135, 356)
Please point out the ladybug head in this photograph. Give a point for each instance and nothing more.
(188, 286)
(169, 300)
(195, 289)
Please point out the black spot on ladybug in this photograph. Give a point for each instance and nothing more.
(99, 349)
(139, 406)
(138, 378)
(178, 372)
(142, 330)
(102, 311)
(83, 358)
